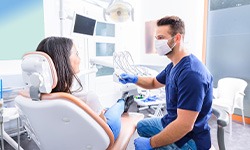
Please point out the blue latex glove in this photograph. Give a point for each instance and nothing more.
(150, 99)
(128, 78)
(142, 143)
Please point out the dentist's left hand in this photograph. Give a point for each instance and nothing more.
(142, 143)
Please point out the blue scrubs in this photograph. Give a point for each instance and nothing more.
(189, 86)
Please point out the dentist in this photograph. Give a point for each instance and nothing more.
(188, 86)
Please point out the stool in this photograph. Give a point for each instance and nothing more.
(9, 114)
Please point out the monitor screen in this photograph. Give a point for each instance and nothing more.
(84, 25)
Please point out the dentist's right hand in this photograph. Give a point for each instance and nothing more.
(128, 78)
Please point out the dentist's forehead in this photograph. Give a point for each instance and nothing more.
(163, 30)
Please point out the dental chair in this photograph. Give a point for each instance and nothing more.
(61, 121)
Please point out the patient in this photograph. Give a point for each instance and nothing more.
(66, 60)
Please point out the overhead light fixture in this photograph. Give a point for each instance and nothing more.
(119, 11)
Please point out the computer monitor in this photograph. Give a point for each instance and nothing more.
(83, 25)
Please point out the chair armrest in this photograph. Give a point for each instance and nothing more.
(241, 93)
(128, 127)
(222, 121)
(221, 115)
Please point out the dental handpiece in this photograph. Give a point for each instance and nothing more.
(118, 76)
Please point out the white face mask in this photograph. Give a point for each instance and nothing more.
(162, 47)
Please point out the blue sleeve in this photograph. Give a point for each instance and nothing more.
(192, 89)
(161, 77)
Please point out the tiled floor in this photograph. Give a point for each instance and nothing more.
(238, 141)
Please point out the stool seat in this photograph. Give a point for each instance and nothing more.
(8, 115)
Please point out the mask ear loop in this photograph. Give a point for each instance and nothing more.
(174, 43)
(174, 37)
(173, 46)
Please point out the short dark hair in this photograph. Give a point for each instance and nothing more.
(59, 49)
(175, 23)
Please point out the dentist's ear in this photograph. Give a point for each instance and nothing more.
(178, 38)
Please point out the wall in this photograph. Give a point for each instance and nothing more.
(192, 14)
(21, 28)
(10, 73)
(228, 46)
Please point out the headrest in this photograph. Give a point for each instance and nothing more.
(39, 72)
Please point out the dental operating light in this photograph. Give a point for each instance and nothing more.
(117, 10)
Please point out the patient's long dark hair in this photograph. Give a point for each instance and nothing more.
(59, 49)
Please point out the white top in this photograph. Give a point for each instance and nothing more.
(89, 97)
